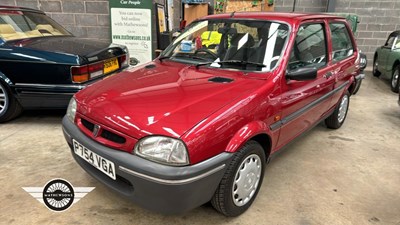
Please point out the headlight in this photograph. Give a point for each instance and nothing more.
(164, 150)
(71, 111)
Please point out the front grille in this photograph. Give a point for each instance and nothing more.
(123, 180)
(87, 124)
(112, 137)
(108, 135)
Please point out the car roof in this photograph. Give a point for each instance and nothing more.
(286, 16)
(18, 8)
(395, 33)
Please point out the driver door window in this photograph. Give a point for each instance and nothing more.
(309, 49)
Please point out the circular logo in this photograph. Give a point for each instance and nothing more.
(58, 195)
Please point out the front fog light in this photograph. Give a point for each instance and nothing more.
(71, 110)
(164, 150)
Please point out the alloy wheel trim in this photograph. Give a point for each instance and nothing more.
(343, 108)
(247, 179)
(3, 99)
(375, 66)
(395, 78)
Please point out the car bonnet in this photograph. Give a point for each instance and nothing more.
(163, 99)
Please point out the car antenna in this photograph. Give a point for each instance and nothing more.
(233, 13)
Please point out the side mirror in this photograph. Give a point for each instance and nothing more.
(133, 61)
(300, 74)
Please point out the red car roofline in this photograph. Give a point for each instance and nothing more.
(272, 16)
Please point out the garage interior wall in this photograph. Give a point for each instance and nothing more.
(377, 18)
(90, 19)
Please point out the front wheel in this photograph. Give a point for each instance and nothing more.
(375, 70)
(337, 118)
(242, 180)
(395, 79)
(9, 106)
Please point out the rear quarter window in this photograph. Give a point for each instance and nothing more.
(342, 46)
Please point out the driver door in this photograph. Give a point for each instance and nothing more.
(383, 57)
(305, 102)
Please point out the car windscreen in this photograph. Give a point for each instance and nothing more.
(24, 24)
(243, 44)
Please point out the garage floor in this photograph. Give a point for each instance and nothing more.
(345, 176)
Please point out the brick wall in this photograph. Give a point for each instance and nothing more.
(377, 18)
(90, 19)
(242, 5)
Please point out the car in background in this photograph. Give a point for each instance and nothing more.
(362, 63)
(42, 65)
(200, 122)
(387, 60)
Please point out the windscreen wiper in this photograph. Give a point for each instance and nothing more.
(234, 62)
(161, 58)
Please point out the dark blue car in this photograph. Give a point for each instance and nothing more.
(42, 65)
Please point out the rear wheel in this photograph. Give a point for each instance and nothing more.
(338, 116)
(375, 70)
(395, 79)
(9, 106)
(241, 181)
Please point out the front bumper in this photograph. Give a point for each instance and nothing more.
(157, 187)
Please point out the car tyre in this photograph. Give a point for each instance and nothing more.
(394, 82)
(357, 88)
(241, 182)
(9, 106)
(337, 118)
(375, 70)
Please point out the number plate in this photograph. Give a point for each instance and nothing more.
(100, 163)
(111, 65)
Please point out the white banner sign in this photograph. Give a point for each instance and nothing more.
(132, 27)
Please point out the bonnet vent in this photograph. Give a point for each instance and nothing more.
(220, 80)
(150, 66)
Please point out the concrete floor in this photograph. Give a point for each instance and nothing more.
(345, 176)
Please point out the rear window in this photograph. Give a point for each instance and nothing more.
(19, 25)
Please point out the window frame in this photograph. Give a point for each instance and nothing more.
(326, 42)
(393, 44)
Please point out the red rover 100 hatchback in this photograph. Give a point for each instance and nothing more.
(199, 123)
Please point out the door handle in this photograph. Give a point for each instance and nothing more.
(328, 74)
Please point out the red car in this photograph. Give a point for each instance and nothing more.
(200, 122)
